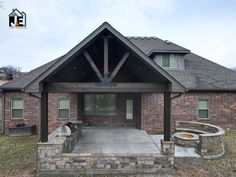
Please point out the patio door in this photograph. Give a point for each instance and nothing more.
(129, 110)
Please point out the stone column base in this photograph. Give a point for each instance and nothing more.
(168, 150)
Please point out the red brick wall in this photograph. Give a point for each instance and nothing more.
(152, 112)
(30, 113)
(222, 108)
(53, 120)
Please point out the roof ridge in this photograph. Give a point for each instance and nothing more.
(141, 37)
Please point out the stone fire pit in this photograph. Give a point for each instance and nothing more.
(211, 138)
(186, 139)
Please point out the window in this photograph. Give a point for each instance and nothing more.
(100, 104)
(170, 61)
(203, 109)
(17, 108)
(64, 108)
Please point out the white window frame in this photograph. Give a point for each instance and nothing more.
(58, 109)
(17, 118)
(206, 109)
(178, 61)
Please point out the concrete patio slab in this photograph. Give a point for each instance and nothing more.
(115, 140)
(179, 151)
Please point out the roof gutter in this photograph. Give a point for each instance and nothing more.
(35, 96)
(169, 51)
(176, 96)
(11, 89)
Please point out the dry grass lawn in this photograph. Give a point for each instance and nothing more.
(18, 158)
(17, 155)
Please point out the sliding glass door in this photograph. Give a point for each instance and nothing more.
(100, 105)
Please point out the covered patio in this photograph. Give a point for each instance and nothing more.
(115, 140)
(99, 69)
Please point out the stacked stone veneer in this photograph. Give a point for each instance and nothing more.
(56, 157)
(211, 138)
(191, 141)
(168, 151)
(55, 161)
(50, 152)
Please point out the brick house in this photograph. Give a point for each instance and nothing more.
(112, 80)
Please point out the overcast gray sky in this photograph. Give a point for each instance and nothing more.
(206, 27)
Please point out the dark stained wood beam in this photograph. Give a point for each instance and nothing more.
(105, 57)
(117, 68)
(167, 116)
(109, 87)
(44, 117)
(92, 64)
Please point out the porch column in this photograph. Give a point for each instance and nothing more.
(167, 116)
(44, 117)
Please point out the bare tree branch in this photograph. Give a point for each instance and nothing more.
(1, 5)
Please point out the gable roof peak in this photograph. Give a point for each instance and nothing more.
(34, 84)
(141, 37)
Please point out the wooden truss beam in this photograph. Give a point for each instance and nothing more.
(109, 87)
(93, 65)
(105, 58)
(117, 68)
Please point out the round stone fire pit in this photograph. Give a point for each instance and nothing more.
(186, 139)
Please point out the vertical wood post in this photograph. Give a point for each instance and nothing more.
(105, 58)
(44, 117)
(167, 116)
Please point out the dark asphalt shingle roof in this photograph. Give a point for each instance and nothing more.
(202, 74)
(22, 81)
(199, 73)
(154, 44)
